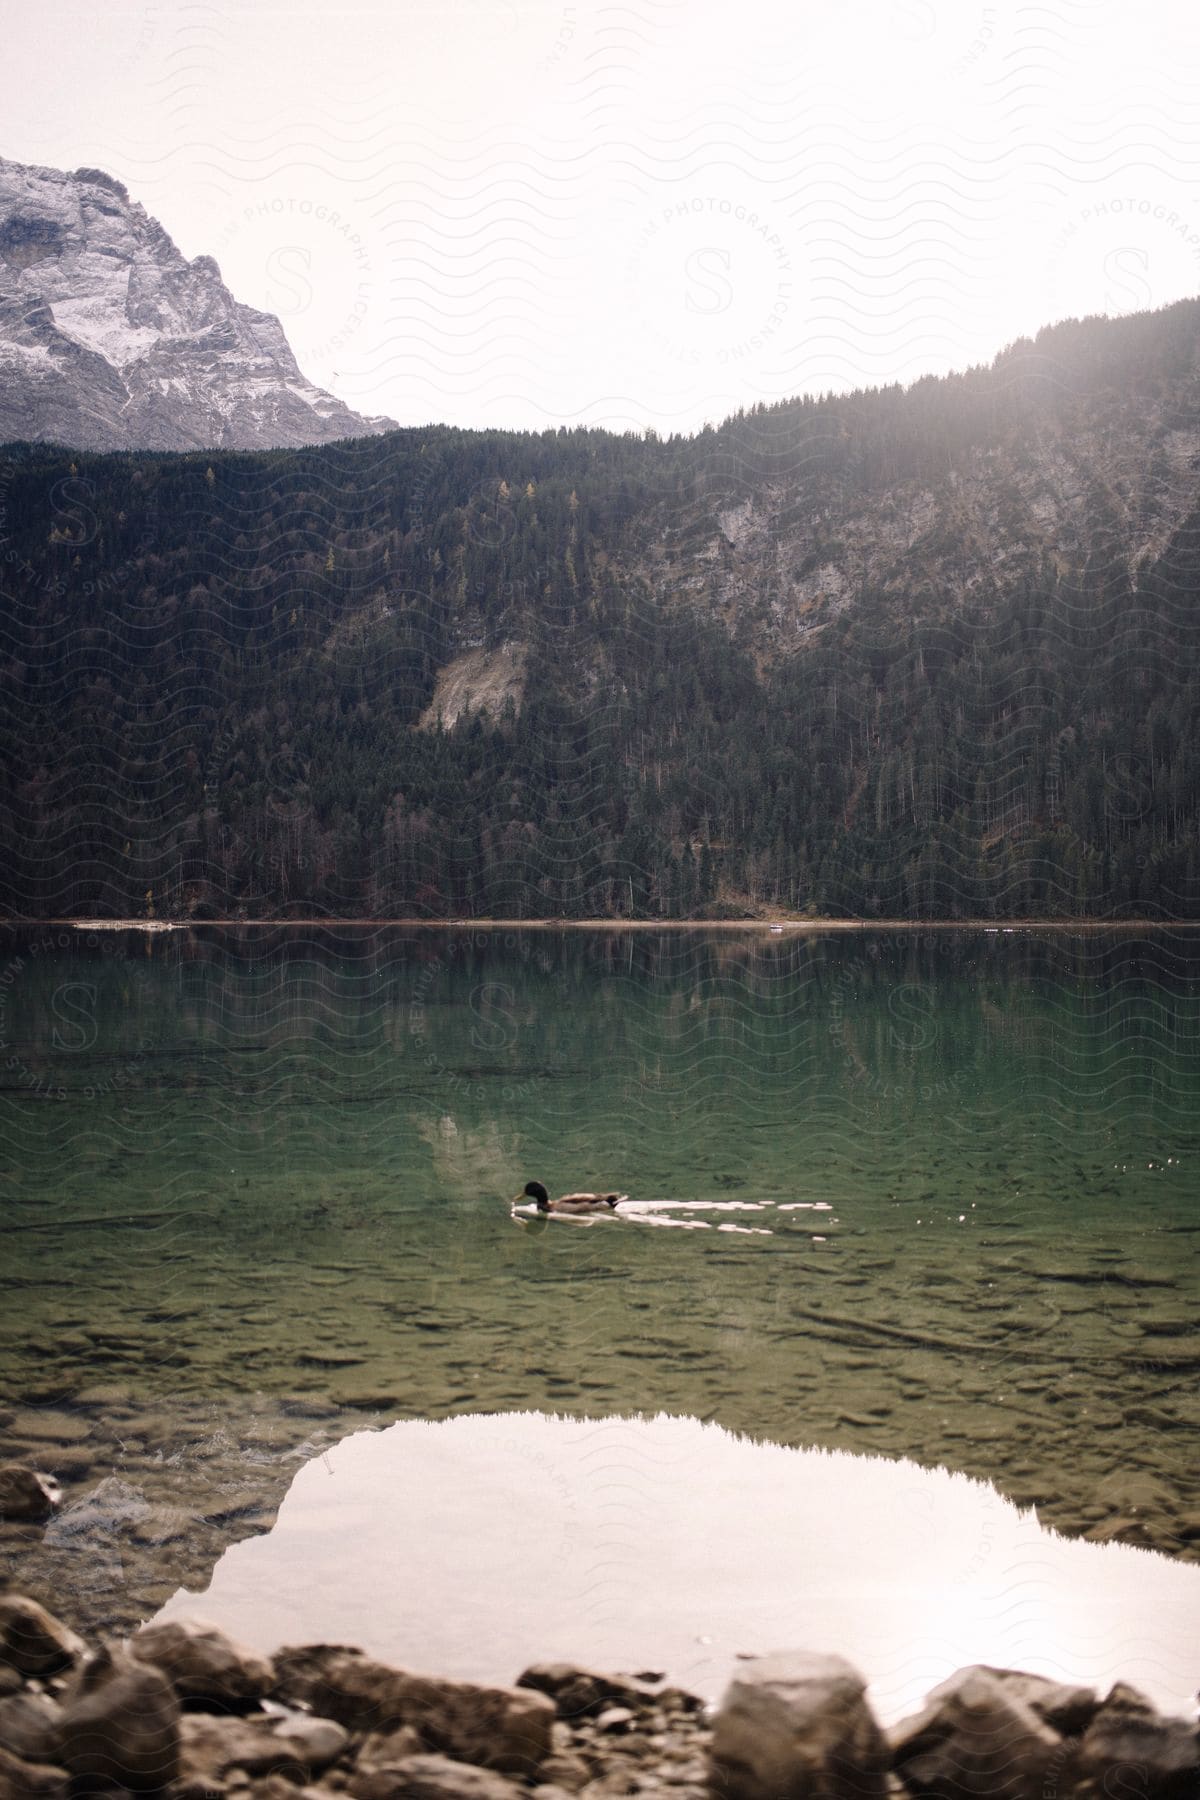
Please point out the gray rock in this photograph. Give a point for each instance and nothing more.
(70, 1462)
(199, 1787)
(29, 1726)
(431, 1778)
(614, 1784)
(32, 1641)
(685, 1774)
(107, 1396)
(164, 1525)
(24, 1494)
(203, 1664)
(615, 1718)
(278, 1787)
(380, 1749)
(1065, 1708)
(577, 1692)
(496, 1728)
(1123, 1697)
(565, 1770)
(976, 1737)
(679, 1700)
(21, 1780)
(794, 1725)
(46, 1425)
(121, 1724)
(315, 1742)
(211, 1745)
(111, 1506)
(1128, 1749)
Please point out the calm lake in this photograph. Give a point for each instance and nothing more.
(930, 1194)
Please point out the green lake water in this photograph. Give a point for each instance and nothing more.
(941, 1189)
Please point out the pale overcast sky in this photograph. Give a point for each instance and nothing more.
(525, 213)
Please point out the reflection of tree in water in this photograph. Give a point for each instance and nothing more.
(472, 1162)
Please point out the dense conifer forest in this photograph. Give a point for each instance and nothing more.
(928, 652)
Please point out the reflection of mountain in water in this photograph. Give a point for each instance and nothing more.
(474, 1546)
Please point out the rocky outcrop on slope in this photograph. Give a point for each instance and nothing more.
(1072, 458)
(111, 339)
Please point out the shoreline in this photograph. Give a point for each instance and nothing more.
(772, 927)
(182, 1711)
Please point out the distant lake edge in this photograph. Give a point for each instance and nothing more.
(328, 921)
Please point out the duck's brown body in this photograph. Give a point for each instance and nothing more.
(571, 1203)
(584, 1202)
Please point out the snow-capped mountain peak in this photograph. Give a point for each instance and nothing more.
(111, 339)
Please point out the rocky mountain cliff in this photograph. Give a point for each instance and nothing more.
(110, 339)
(1071, 456)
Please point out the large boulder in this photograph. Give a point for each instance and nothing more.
(497, 1728)
(1129, 1749)
(976, 1737)
(24, 1494)
(794, 1726)
(1064, 1706)
(315, 1743)
(204, 1665)
(33, 1641)
(30, 1724)
(431, 1778)
(21, 1780)
(120, 1724)
(297, 1745)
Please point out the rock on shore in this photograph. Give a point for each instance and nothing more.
(183, 1713)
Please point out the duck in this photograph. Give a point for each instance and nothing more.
(570, 1203)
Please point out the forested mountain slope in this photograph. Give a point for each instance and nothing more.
(927, 652)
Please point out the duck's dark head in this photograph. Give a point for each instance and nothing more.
(537, 1192)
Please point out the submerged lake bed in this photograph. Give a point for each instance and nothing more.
(934, 1197)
